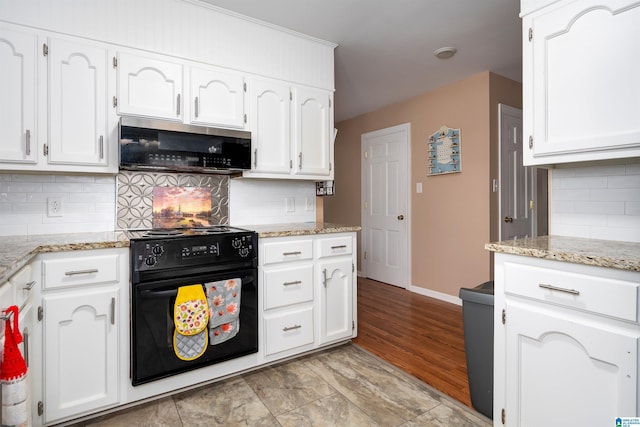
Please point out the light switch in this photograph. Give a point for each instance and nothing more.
(418, 187)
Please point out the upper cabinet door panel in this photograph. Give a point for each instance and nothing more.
(270, 127)
(584, 86)
(217, 98)
(18, 100)
(149, 87)
(312, 132)
(78, 125)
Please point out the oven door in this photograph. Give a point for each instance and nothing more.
(152, 305)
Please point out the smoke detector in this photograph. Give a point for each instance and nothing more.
(445, 52)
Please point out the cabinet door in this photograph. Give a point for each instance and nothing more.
(270, 127)
(81, 347)
(78, 125)
(566, 371)
(312, 140)
(336, 298)
(149, 87)
(18, 82)
(217, 98)
(581, 86)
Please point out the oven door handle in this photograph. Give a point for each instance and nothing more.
(158, 294)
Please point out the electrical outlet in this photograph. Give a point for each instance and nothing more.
(290, 204)
(54, 206)
(309, 204)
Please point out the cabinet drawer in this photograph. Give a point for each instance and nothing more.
(288, 330)
(286, 286)
(601, 295)
(22, 285)
(83, 270)
(287, 251)
(335, 246)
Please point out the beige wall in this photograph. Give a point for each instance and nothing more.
(450, 218)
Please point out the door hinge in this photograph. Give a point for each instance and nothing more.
(40, 313)
(115, 101)
(115, 62)
(366, 154)
(244, 86)
(366, 205)
(45, 49)
(45, 149)
(532, 204)
(329, 102)
(330, 166)
(245, 118)
(290, 164)
(40, 408)
(353, 268)
(365, 254)
(290, 96)
(503, 416)
(504, 316)
(353, 325)
(530, 33)
(530, 142)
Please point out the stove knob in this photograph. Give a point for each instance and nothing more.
(150, 260)
(157, 250)
(236, 243)
(243, 252)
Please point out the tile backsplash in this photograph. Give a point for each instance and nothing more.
(598, 202)
(88, 203)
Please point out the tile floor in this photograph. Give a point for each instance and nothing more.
(343, 386)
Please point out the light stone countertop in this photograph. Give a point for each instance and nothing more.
(17, 251)
(599, 253)
(300, 229)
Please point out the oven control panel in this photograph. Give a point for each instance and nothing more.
(211, 250)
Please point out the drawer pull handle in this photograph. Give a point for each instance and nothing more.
(29, 285)
(76, 272)
(555, 288)
(291, 253)
(295, 282)
(339, 247)
(291, 328)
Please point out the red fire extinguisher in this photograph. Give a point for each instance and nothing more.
(13, 375)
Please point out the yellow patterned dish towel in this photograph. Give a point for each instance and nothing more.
(190, 319)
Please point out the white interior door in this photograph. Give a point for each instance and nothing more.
(385, 214)
(517, 183)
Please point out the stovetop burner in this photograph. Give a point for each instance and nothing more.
(168, 233)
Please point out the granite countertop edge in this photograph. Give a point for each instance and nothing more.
(18, 251)
(600, 253)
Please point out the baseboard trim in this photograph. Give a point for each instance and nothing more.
(434, 294)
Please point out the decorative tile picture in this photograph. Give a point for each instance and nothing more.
(445, 151)
(181, 207)
(136, 190)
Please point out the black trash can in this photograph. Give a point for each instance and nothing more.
(477, 314)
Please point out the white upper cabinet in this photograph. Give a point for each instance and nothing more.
(217, 98)
(54, 111)
(18, 82)
(312, 132)
(270, 114)
(78, 122)
(291, 131)
(580, 80)
(149, 87)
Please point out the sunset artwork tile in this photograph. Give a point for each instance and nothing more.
(181, 207)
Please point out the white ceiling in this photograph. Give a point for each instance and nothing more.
(385, 47)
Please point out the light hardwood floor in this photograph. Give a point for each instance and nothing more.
(420, 335)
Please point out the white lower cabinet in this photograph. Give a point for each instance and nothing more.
(307, 292)
(78, 333)
(563, 354)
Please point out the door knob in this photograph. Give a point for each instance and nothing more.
(508, 219)
(400, 217)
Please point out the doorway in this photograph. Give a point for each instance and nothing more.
(386, 205)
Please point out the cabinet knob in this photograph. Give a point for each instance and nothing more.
(508, 219)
